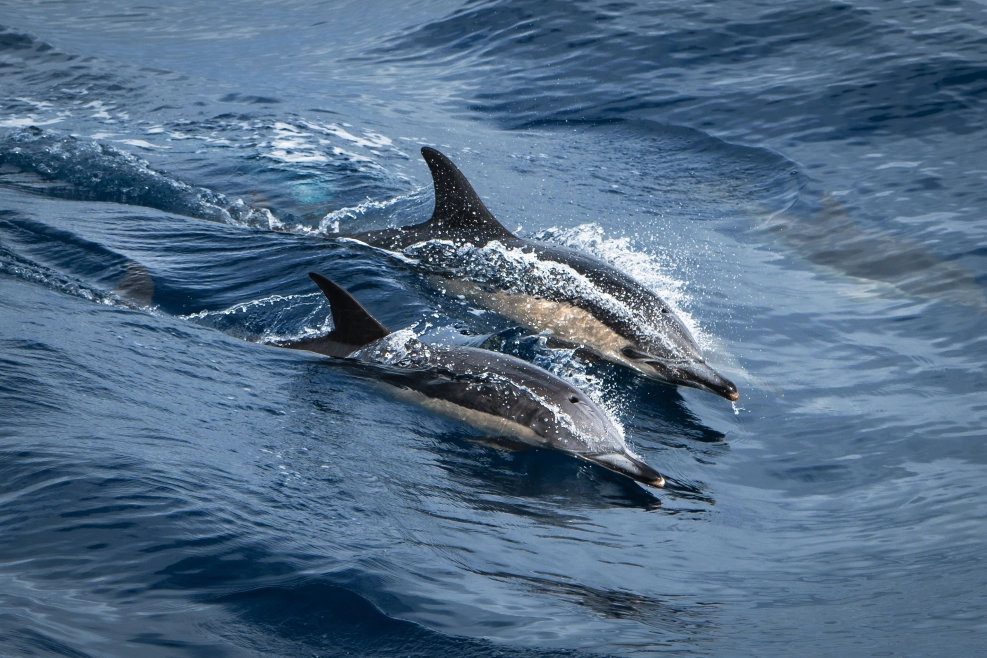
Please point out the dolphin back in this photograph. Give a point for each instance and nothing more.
(458, 208)
(353, 326)
(459, 214)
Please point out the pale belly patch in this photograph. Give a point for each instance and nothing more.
(488, 423)
(568, 322)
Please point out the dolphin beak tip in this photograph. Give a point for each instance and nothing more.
(733, 396)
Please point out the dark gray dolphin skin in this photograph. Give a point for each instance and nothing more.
(576, 298)
(496, 393)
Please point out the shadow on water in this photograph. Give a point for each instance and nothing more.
(662, 412)
(321, 616)
(678, 614)
(534, 474)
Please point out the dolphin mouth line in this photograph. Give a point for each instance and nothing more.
(629, 465)
(726, 390)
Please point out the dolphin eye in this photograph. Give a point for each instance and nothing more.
(573, 399)
(664, 310)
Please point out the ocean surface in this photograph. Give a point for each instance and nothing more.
(805, 181)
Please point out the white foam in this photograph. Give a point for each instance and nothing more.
(330, 223)
(395, 349)
(290, 144)
(101, 110)
(142, 144)
(245, 306)
(370, 139)
(41, 105)
(352, 156)
(29, 120)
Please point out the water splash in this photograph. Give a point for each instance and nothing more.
(272, 319)
(654, 271)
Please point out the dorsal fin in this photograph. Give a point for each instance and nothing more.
(353, 326)
(458, 209)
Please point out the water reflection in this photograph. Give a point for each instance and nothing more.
(826, 235)
(672, 613)
(321, 616)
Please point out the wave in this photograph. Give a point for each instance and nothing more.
(25, 269)
(66, 167)
(706, 66)
(271, 319)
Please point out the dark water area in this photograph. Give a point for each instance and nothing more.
(803, 181)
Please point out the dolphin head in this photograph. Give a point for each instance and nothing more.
(694, 374)
(566, 419)
(571, 421)
(580, 420)
(518, 399)
(675, 358)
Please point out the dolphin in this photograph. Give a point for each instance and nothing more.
(498, 394)
(578, 299)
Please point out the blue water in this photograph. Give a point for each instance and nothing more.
(803, 181)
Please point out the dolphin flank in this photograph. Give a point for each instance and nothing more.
(576, 298)
(496, 393)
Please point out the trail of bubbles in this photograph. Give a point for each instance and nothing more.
(271, 319)
(329, 225)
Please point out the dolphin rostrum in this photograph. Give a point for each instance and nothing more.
(547, 288)
(499, 394)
